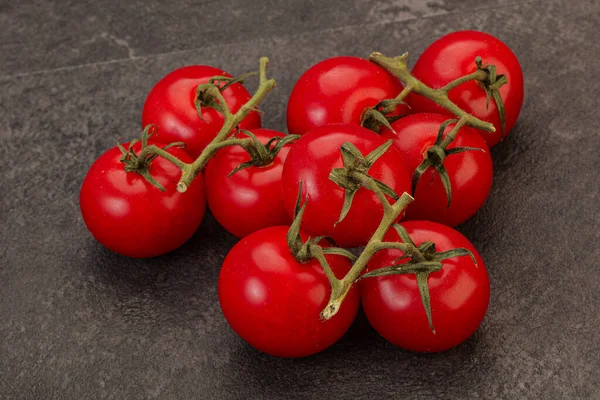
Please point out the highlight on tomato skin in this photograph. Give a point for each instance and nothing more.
(470, 172)
(453, 56)
(274, 302)
(338, 90)
(460, 293)
(132, 217)
(170, 106)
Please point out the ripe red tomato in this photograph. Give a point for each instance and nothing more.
(132, 217)
(453, 56)
(338, 90)
(311, 160)
(459, 292)
(170, 105)
(250, 199)
(470, 172)
(274, 302)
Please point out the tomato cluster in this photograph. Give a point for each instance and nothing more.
(366, 138)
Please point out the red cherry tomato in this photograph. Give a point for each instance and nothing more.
(453, 56)
(132, 217)
(250, 199)
(470, 172)
(311, 160)
(273, 302)
(338, 90)
(170, 105)
(459, 292)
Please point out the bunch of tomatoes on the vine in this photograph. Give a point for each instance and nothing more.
(378, 158)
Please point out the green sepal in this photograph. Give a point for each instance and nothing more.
(403, 234)
(405, 268)
(263, 154)
(230, 81)
(348, 198)
(419, 171)
(142, 167)
(147, 176)
(435, 157)
(440, 135)
(293, 235)
(421, 270)
(374, 119)
(491, 87)
(354, 161)
(204, 99)
(378, 152)
(338, 251)
(386, 189)
(301, 250)
(501, 111)
(457, 150)
(388, 106)
(460, 252)
(422, 278)
(445, 178)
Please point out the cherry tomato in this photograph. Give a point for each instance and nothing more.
(453, 56)
(459, 292)
(274, 302)
(338, 90)
(170, 105)
(311, 160)
(132, 217)
(250, 199)
(470, 172)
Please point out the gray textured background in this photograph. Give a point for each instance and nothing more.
(77, 322)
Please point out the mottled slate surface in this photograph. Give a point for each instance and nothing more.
(79, 322)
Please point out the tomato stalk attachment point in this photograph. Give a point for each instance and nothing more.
(260, 154)
(140, 163)
(306, 250)
(356, 167)
(485, 75)
(437, 153)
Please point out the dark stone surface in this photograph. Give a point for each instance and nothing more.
(79, 322)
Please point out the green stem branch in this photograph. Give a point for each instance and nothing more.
(155, 150)
(265, 85)
(397, 67)
(190, 171)
(478, 75)
(341, 287)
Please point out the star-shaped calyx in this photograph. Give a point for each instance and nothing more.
(436, 154)
(355, 166)
(422, 261)
(140, 163)
(491, 85)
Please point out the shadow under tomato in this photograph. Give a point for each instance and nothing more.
(175, 280)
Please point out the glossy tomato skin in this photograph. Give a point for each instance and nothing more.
(273, 302)
(470, 172)
(337, 90)
(130, 216)
(311, 160)
(170, 105)
(250, 199)
(453, 56)
(459, 293)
